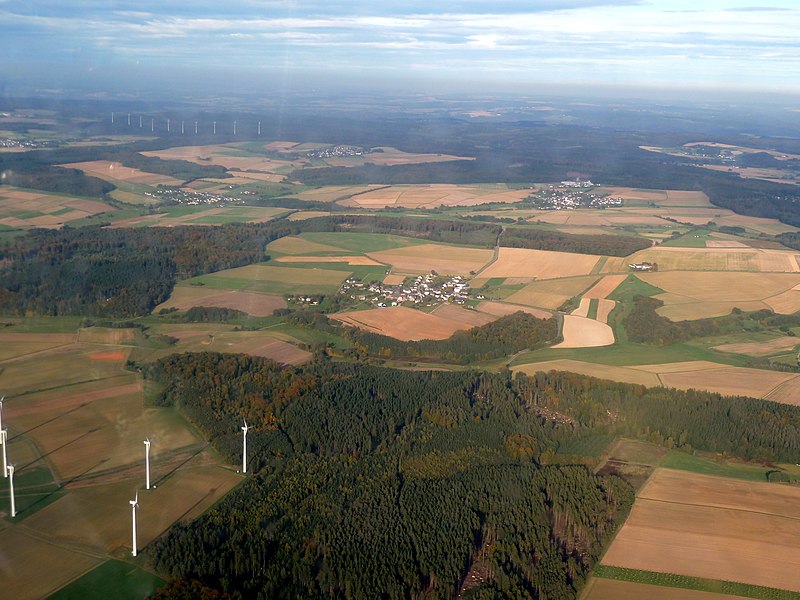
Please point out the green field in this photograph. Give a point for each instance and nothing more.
(694, 238)
(694, 583)
(113, 579)
(34, 489)
(274, 279)
(592, 445)
(705, 466)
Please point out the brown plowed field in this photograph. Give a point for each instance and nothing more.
(221, 155)
(435, 195)
(297, 245)
(282, 352)
(580, 332)
(541, 264)
(612, 589)
(253, 303)
(501, 309)
(729, 381)
(394, 279)
(424, 258)
(604, 308)
(402, 323)
(583, 308)
(471, 318)
(713, 527)
(350, 260)
(716, 259)
(724, 244)
(605, 286)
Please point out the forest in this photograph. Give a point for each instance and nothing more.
(371, 482)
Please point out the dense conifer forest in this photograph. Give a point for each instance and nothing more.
(370, 482)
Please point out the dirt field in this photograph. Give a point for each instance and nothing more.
(471, 318)
(541, 264)
(660, 197)
(394, 279)
(257, 305)
(282, 352)
(501, 309)
(724, 244)
(402, 323)
(331, 193)
(350, 260)
(712, 259)
(105, 335)
(623, 374)
(713, 527)
(552, 293)
(225, 156)
(694, 295)
(114, 171)
(580, 332)
(610, 589)
(91, 515)
(22, 558)
(424, 258)
(583, 308)
(302, 215)
(605, 286)
(13, 345)
(435, 195)
(604, 308)
(729, 381)
(781, 344)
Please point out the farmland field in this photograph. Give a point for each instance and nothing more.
(255, 304)
(541, 264)
(434, 196)
(581, 332)
(699, 295)
(424, 258)
(501, 309)
(114, 171)
(711, 527)
(403, 323)
(599, 588)
(113, 578)
(276, 280)
(552, 293)
(21, 208)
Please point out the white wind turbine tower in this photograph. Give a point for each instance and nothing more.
(152, 125)
(140, 121)
(244, 447)
(234, 128)
(134, 505)
(181, 127)
(129, 119)
(195, 127)
(11, 487)
(167, 125)
(112, 118)
(1, 411)
(259, 128)
(4, 437)
(147, 461)
(215, 128)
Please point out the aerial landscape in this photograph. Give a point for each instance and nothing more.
(327, 300)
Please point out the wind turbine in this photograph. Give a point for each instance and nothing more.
(215, 128)
(134, 505)
(234, 128)
(181, 127)
(195, 127)
(112, 118)
(129, 119)
(4, 436)
(167, 125)
(147, 460)
(11, 487)
(244, 447)
(140, 121)
(152, 125)
(1, 411)
(259, 128)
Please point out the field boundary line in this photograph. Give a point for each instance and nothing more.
(719, 507)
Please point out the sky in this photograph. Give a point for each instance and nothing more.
(529, 44)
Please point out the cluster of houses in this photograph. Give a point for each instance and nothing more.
(558, 198)
(643, 266)
(335, 151)
(12, 143)
(425, 290)
(190, 197)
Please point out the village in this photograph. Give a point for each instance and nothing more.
(336, 151)
(170, 195)
(424, 290)
(566, 196)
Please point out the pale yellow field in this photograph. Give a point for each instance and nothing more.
(114, 171)
(403, 323)
(583, 308)
(729, 381)
(710, 259)
(580, 332)
(724, 244)
(220, 155)
(331, 193)
(660, 197)
(695, 295)
(302, 215)
(622, 374)
(390, 156)
(541, 264)
(471, 318)
(435, 195)
(552, 293)
(713, 527)
(424, 258)
(604, 308)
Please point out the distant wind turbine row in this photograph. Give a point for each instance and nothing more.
(168, 122)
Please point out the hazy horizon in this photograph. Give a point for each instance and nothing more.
(607, 48)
